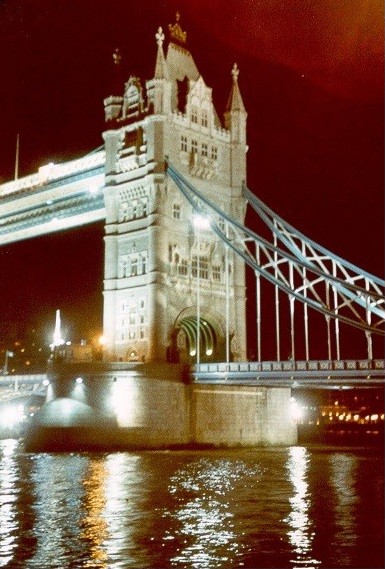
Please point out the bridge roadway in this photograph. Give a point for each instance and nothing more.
(312, 374)
(14, 386)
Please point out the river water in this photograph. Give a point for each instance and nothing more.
(294, 507)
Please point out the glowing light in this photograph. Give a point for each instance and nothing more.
(201, 221)
(192, 352)
(79, 380)
(374, 417)
(209, 352)
(125, 402)
(45, 382)
(102, 340)
(11, 416)
(297, 412)
(57, 339)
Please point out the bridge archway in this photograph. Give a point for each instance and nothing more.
(184, 340)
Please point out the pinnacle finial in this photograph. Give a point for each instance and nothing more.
(235, 72)
(116, 56)
(159, 37)
(176, 32)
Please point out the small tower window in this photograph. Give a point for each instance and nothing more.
(183, 143)
(194, 146)
(182, 268)
(205, 120)
(216, 273)
(176, 211)
(204, 149)
(194, 114)
(134, 266)
(214, 153)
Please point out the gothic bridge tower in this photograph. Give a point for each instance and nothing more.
(153, 250)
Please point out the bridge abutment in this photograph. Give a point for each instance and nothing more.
(141, 406)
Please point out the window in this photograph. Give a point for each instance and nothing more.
(123, 267)
(134, 266)
(205, 120)
(194, 114)
(144, 263)
(176, 211)
(204, 149)
(203, 267)
(194, 146)
(183, 268)
(183, 143)
(214, 153)
(216, 273)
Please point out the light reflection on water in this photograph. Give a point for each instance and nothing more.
(8, 496)
(301, 534)
(203, 491)
(343, 479)
(190, 510)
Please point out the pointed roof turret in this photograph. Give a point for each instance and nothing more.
(161, 67)
(235, 102)
(177, 35)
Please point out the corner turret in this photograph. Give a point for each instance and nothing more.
(235, 121)
(159, 88)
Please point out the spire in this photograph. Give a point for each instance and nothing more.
(235, 102)
(177, 35)
(57, 339)
(161, 68)
(116, 84)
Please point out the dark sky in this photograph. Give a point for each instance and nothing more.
(311, 75)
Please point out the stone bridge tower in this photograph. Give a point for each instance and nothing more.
(153, 250)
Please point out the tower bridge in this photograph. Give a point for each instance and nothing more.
(170, 183)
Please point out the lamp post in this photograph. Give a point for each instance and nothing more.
(8, 354)
(200, 222)
(227, 297)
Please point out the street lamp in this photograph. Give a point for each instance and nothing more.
(8, 354)
(200, 222)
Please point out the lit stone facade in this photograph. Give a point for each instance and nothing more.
(151, 243)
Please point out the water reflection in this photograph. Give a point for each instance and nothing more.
(300, 531)
(203, 492)
(343, 479)
(59, 494)
(94, 526)
(124, 489)
(9, 524)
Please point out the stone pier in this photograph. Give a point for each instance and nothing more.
(142, 406)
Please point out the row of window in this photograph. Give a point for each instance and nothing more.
(133, 320)
(202, 116)
(132, 265)
(199, 266)
(204, 148)
(133, 210)
(133, 334)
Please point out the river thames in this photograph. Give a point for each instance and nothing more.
(293, 507)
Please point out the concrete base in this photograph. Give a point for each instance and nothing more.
(102, 407)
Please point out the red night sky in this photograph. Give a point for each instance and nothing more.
(311, 76)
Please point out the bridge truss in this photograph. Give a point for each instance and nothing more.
(300, 268)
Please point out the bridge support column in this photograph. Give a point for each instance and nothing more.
(229, 415)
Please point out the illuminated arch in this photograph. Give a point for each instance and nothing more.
(208, 338)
